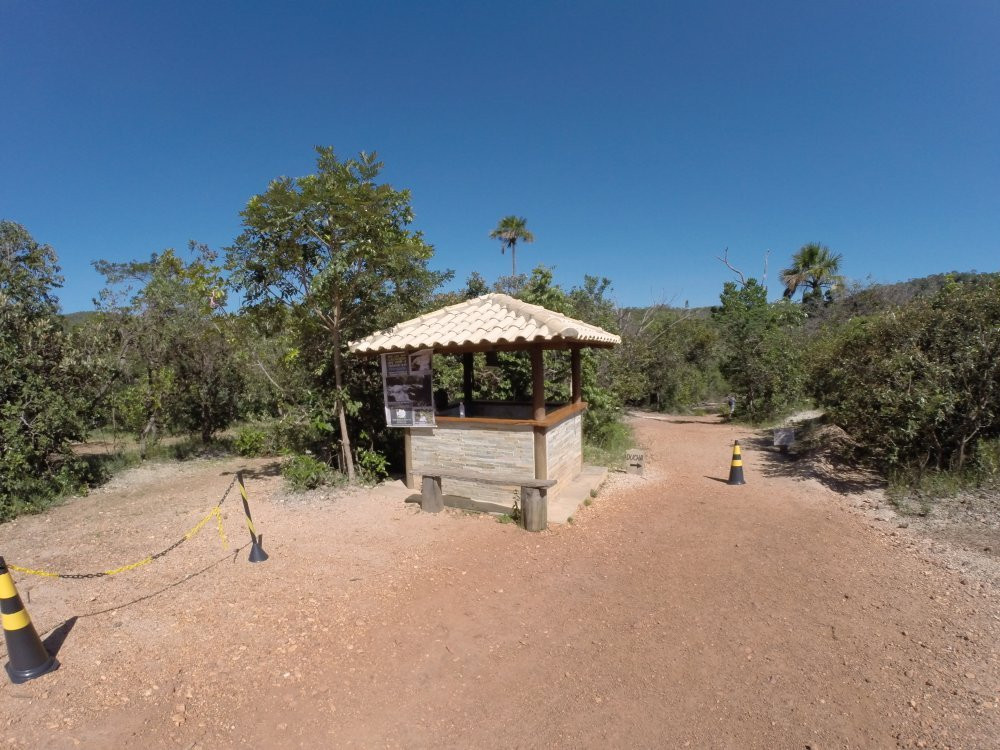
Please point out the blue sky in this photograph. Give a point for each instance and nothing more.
(639, 139)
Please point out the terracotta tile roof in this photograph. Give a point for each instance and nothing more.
(490, 319)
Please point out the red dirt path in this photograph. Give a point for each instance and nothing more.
(676, 612)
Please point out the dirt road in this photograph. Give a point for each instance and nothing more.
(676, 611)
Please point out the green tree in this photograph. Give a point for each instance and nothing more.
(668, 356)
(591, 304)
(180, 367)
(41, 411)
(815, 270)
(511, 230)
(475, 286)
(762, 357)
(329, 256)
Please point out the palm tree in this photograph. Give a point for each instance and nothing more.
(814, 268)
(510, 231)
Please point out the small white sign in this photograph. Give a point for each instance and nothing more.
(634, 462)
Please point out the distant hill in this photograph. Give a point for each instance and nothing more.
(879, 297)
(76, 319)
(858, 300)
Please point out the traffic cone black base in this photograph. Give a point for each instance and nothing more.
(736, 468)
(257, 553)
(17, 676)
(27, 654)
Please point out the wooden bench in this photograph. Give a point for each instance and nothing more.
(534, 503)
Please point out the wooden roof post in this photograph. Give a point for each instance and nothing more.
(538, 383)
(538, 412)
(467, 379)
(577, 389)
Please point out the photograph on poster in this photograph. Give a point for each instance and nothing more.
(407, 381)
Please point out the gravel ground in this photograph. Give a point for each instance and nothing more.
(676, 611)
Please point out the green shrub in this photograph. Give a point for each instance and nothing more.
(29, 494)
(986, 460)
(918, 388)
(607, 447)
(303, 473)
(251, 442)
(374, 467)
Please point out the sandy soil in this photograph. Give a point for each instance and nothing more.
(676, 611)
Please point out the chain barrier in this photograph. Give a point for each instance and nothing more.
(215, 513)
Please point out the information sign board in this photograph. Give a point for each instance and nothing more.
(407, 384)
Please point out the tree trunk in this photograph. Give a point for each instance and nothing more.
(206, 420)
(345, 438)
(149, 429)
(206, 430)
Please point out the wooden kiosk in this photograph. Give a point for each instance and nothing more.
(486, 450)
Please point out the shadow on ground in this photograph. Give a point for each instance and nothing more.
(821, 465)
(685, 421)
(56, 637)
(272, 469)
(54, 641)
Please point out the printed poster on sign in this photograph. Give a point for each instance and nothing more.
(407, 383)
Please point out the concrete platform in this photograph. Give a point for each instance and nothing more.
(571, 498)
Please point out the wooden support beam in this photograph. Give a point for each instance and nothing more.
(467, 378)
(534, 509)
(431, 497)
(538, 382)
(409, 479)
(577, 380)
(541, 452)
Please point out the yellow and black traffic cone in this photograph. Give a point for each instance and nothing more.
(257, 553)
(27, 654)
(736, 468)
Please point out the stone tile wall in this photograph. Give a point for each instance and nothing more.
(565, 452)
(496, 450)
(477, 448)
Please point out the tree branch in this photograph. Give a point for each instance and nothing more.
(268, 376)
(739, 273)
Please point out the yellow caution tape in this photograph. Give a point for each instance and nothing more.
(31, 571)
(132, 566)
(222, 533)
(215, 513)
